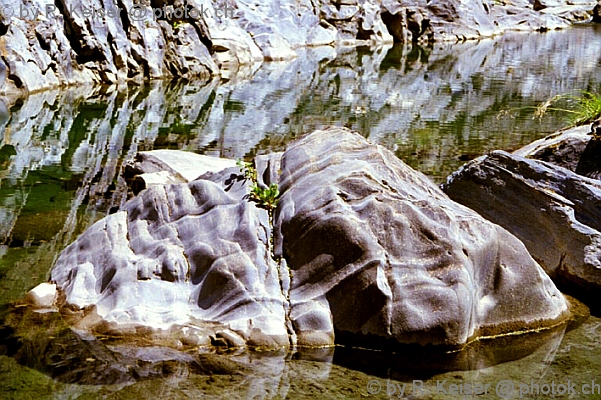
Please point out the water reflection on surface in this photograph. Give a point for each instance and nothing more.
(61, 152)
(42, 341)
(56, 362)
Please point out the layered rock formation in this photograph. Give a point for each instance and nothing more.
(77, 41)
(563, 148)
(553, 210)
(367, 251)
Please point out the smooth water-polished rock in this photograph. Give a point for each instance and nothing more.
(379, 256)
(554, 211)
(370, 252)
(186, 254)
(162, 167)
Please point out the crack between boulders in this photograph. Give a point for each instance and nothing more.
(282, 268)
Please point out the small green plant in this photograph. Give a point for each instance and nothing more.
(266, 198)
(582, 109)
(177, 24)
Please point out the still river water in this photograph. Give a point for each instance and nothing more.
(61, 152)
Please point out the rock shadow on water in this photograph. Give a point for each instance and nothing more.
(423, 362)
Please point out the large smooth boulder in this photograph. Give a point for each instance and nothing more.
(366, 251)
(191, 255)
(554, 211)
(378, 255)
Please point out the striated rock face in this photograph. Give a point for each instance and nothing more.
(376, 252)
(83, 41)
(554, 211)
(368, 251)
(178, 254)
(563, 148)
(71, 42)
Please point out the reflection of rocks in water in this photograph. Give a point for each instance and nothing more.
(42, 341)
(423, 362)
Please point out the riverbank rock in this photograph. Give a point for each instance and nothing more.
(554, 211)
(378, 255)
(369, 252)
(563, 148)
(89, 41)
(191, 255)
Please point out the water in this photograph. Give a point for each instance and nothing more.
(61, 152)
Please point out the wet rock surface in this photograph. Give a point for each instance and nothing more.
(368, 251)
(554, 211)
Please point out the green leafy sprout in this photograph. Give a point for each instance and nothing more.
(266, 198)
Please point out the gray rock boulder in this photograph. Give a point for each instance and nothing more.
(554, 211)
(563, 148)
(379, 256)
(191, 255)
(369, 252)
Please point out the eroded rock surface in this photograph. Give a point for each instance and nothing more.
(378, 253)
(186, 254)
(369, 252)
(554, 211)
(94, 41)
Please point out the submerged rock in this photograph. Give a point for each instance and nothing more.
(369, 252)
(554, 211)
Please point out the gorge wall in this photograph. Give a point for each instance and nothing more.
(46, 43)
